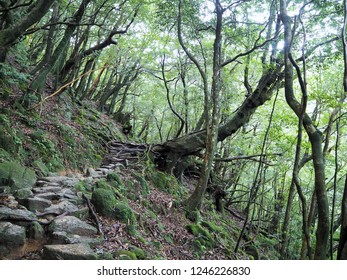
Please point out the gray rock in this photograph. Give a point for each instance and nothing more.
(47, 189)
(70, 182)
(38, 203)
(81, 251)
(88, 180)
(36, 231)
(49, 195)
(8, 200)
(7, 213)
(54, 179)
(62, 207)
(61, 237)
(16, 176)
(82, 213)
(72, 225)
(23, 194)
(92, 173)
(5, 189)
(105, 171)
(41, 183)
(12, 239)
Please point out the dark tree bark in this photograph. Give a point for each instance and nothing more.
(55, 62)
(342, 249)
(9, 35)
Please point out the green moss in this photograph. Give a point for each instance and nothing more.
(140, 253)
(125, 255)
(106, 256)
(114, 179)
(164, 182)
(16, 176)
(84, 187)
(168, 238)
(212, 226)
(201, 234)
(252, 251)
(124, 213)
(104, 202)
(194, 216)
(103, 184)
(145, 189)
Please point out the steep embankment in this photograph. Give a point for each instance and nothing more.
(125, 209)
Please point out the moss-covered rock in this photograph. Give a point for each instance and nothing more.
(16, 176)
(117, 190)
(84, 186)
(139, 253)
(202, 235)
(124, 213)
(104, 202)
(114, 179)
(125, 255)
(12, 237)
(40, 168)
(164, 182)
(36, 231)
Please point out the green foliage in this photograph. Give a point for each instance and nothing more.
(125, 255)
(139, 253)
(12, 76)
(164, 182)
(114, 179)
(202, 235)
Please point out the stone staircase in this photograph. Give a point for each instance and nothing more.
(52, 214)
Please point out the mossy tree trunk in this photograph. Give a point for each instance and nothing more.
(9, 35)
(56, 61)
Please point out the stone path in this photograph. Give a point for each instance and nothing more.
(54, 213)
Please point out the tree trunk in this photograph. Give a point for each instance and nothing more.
(194, 142)
(195, 201)
(9, 35)
(315, 137)
(56, 61)
(342, 249)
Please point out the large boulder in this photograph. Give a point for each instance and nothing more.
(16, 176)
(12, 239)
(104, 202)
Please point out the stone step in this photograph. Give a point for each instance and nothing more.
(80, 251)
(48, 189)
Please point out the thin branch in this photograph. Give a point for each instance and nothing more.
(255, 47)
(16, 7)
(246, 157)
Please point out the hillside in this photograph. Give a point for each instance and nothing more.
(68, 140)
